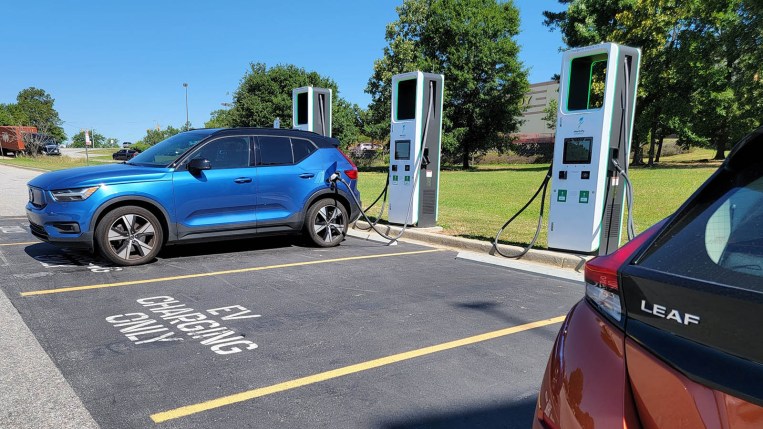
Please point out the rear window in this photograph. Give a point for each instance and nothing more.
(719, 241)
(302, 149)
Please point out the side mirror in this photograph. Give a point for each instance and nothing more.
(199, 164)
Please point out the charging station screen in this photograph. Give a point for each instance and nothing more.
(406, 99)
(402, 150)
(302, 108)
(577, 150)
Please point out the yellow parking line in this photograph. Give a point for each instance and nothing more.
(339, 372)
(20, 244)
(219, 273)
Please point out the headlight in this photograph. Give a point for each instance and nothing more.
(77, 194)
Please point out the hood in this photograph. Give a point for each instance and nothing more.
(110, 174)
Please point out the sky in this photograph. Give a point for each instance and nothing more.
(119, 67)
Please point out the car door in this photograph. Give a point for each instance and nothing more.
(283, 185)
(221, 199)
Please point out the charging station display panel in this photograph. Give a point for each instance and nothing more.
(577, 150)
(402, 150)
(587, 81)
(406, 99)
(302, 108)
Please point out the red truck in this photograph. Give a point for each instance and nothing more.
(12, 139)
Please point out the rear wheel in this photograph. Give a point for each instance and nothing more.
(326, 222)
(129, 235)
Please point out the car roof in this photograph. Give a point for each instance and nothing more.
(319, 140)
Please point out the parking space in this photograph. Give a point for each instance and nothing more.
(272, 333)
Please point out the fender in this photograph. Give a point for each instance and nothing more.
(171, 226)
(353, 210)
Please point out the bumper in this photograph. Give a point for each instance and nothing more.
(59, 226)
(585, 381)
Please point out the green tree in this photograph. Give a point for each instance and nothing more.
(10, 115)
(155, 136)
(265, 94)
(97, 140)
(472, 43)
(35, 106)
(550, 114)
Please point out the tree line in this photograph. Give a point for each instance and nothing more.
(701, 70)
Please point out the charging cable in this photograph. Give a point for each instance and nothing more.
(629, 197)
(543, 187)
(383, 194)
(336, 177)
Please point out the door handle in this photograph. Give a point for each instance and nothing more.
(307, 175)
(243, 180)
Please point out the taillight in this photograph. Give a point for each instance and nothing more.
(352, 173)
(601, 275)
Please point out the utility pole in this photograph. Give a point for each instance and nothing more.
(185, 85)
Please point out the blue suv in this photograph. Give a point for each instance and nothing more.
(197, 186)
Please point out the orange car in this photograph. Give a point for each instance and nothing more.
(670, 332)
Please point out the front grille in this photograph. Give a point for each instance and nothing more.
(38, 231)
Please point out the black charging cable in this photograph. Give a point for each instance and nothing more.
(543, 187)
(383, 195)
(423, 153)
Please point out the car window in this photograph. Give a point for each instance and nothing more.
(225, 152)
(720, 243)
(302, 149)
(275, 150)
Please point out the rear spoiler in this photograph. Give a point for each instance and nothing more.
(334, 141)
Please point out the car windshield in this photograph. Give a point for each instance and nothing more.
(167, 151)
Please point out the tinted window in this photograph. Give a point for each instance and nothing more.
(275, 150)
(226, 152)
(302, 149)
(720, 242)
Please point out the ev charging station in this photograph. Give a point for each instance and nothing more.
(415, 139)
(311, 110)
(597, 99)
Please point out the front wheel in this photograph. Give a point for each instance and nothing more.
(129, 235)
(326, 222)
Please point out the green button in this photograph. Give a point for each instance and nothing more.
(407, 178)
(583, 198)
(394, 178)
(562, 196)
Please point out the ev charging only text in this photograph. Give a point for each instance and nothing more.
(167, 319)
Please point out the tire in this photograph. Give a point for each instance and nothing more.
(326, 222)
(129, 236)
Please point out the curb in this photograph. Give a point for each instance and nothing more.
(567, 261)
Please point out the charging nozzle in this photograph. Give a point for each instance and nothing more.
(335, 177)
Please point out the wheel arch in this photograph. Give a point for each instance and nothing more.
(328, 193)
(168, 229)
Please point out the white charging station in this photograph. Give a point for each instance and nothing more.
(311, 110)
(415, 139)
(597, 99)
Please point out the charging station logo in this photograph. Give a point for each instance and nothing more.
(580, 125)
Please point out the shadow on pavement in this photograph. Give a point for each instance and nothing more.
(511, 415)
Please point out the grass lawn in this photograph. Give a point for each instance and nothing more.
(475, 204)
(53, 162)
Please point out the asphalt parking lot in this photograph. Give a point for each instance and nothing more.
(271, 333)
